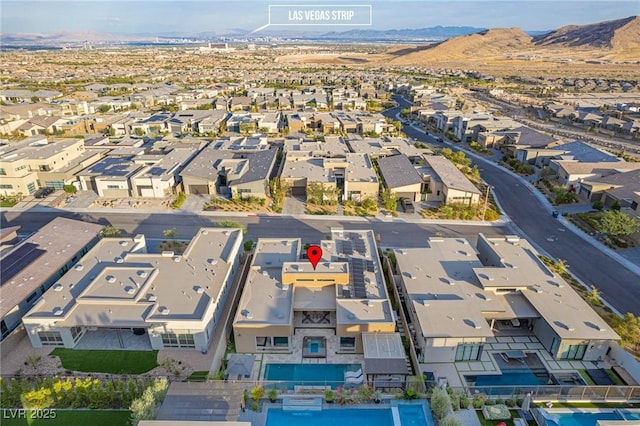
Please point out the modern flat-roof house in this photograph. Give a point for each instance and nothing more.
(160, 173)
(342, 298)
(353, 174)
(237, 174)
(447, 183)
(25, 166)
(400, 177)
(176, 300)
(35, 264)
(459, 296)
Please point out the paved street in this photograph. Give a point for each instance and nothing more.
(618, 285)
(396, 233)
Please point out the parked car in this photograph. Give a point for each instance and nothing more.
(407, 205)
(43, 192)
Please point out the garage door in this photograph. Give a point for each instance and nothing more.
(198, 189)
(301, 190)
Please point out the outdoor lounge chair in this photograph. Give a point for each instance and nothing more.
(353, 374)
(351, 377)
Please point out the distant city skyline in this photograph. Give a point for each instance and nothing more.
(192, 17)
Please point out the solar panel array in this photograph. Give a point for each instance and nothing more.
(347, 247)
(16, 261)
(357, 267)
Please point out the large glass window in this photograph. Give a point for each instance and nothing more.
(281, 342)
(572, 351)
(76, 333)
(347, 344)
(172, 340)
(469, 352)
(50, 338)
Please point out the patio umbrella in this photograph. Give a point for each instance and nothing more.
(526, 403)
(240, 365)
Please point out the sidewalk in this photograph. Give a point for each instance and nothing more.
(633, 267)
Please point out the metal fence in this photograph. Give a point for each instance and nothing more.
(561, 393)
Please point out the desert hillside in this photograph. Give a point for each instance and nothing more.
(487, 43)
(617, 40)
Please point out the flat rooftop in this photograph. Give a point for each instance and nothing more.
(38, 259)
(118, 284)
(561, 307)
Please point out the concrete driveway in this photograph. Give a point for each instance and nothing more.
(294, 204)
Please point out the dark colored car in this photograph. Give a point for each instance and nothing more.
(43, 192)
(407, 205)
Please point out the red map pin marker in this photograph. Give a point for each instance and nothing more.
(314, 253)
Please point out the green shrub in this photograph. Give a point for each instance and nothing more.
(440, 403)
(70, 189)
(464, 401)
(257, 393)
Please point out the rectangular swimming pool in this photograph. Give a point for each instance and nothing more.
(309, 374)
(346, 416)
(630, 414)
(509, 378)
(580, 417)
(409, 415)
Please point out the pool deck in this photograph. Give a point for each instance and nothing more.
(455, 372)
(295, 357)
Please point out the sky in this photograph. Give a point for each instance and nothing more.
(158, 16)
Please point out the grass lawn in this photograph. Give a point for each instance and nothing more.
(586, 378)
(485, 422)
(114, 362)
(75, 417)
(198, 376)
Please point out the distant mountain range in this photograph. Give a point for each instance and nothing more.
(437, 33)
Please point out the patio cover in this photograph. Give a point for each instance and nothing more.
(240, 364)
(384, 354)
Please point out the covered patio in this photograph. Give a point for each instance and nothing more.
(385, 361)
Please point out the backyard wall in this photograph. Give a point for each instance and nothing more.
(625, 360)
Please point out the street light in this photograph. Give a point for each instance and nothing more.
(486, 200)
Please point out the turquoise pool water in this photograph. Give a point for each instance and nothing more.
(413, 415)
(582, 418)
(631, 415)
(309, 374)
(347, 416)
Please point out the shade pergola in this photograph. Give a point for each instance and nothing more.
(240, 365)
(384, 354)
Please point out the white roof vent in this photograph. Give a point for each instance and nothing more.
(213, 261)
(537, 289)
(111, 279)
(177, 258)
(130, 290)
(57, 311)
(152, 297)
(601, 328)
(79, 267)
(119, 260)
(142, 274)
(285, 287)
(370, 303)
(164, 310)
(124, 243)
(248, 314)
(265, 273)
(204, 232)
(199, 289)
(57, 287)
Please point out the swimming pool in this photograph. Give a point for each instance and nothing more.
(414, 415)
(579, 417)
(630, 414)
(309, 374)
(348, 416)
(408, 414)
